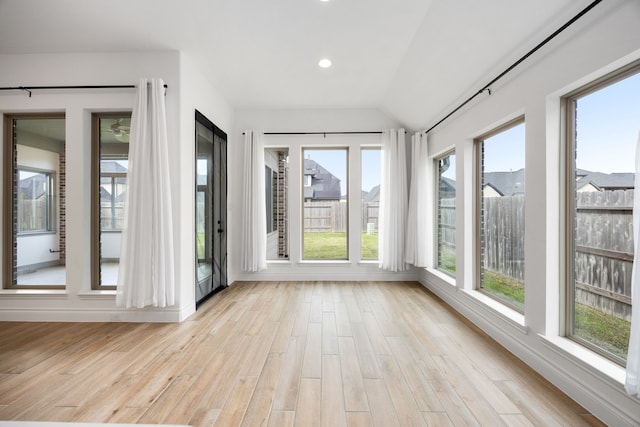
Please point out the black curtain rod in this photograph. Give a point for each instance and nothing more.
(31, 88)
(322, 133)
(487, 87)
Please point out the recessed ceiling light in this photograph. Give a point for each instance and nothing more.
(324, 63)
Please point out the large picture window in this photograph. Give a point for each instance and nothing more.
(371, 162)
(325, 218)
(446, 213)
(602, 120)
(500, 198)
(276, 188)
(110, 165)
(34, 189)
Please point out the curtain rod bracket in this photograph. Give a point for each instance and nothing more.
(26, 90)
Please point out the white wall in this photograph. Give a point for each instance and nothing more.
(77, 302)
(197, 92)
(606, 38)
(310, 120)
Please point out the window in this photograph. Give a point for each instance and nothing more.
(277, 202)
(271, 198)
(325, 217)
(500, 198)
(34, 188)
(446, 213)
(35, 200)
(602, 124)
(371, 170)
(110, 163)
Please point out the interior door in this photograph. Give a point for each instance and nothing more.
(210, 209)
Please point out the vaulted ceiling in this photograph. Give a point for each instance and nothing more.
(412, 59)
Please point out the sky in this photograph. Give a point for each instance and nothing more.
(505, 151)
(608, 128)
(608, 124)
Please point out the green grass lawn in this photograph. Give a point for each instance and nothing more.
(325, 246)
(200, 245)
(369, 246)
(505, 288)
(334, 246)
(448, 261)
(603, 330)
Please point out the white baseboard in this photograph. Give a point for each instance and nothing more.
(40, 314)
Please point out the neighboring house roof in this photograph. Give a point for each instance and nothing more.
(111, 166)
(324, 185)
(372, 196)
(105, 196)
(506, 183)
(447, 188)
(510, 183)
(490, 191)
(605, 181)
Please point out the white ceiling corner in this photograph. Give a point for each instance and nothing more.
(409, 58)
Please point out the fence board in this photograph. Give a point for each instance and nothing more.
(604, 250)
(332, 216)
(604, 244)
(504, 235)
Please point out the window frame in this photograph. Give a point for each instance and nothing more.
(478, 150)
(96, 226)
(9, 173)
(568, 102)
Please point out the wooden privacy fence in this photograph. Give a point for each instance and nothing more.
(504, 235)
(604, 244)
(331, 216)
(604, 250)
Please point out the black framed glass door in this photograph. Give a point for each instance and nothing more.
(210, 209)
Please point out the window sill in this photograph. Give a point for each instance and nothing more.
(442, 277)
(513, 317)
(34, 293)
(36, 233)
(585, 358)
(278, 261)
(324, 262)
(97, 294)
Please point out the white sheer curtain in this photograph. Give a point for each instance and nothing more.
(393, 201)
(146, 273)
(632, 383)
(418, 243)
(253, 240)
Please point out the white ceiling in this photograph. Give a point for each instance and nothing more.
(412, 59)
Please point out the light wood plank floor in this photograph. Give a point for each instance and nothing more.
(280, 354)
